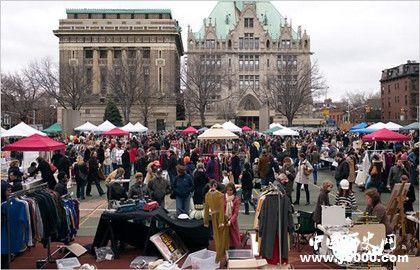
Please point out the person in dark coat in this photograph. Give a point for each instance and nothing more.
(140, 164)
(247, 184)
(253, 152)
(15, 176)
(80, 175)
(236, 167)
(93, 175)
(64, 165)
(172, 163)
(213, 169)
(61, 187)
(55, 159)
(46, 173)
(200, 181)
(158, 188)
(139, 188)
(396, 172)
(323, 199)
(101, 153)
(343, 169)
(374, 207)
(125, 159)
(182, 187)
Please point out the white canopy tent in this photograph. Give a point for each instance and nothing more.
(105, 126)
(285, 131)
(88, 126)
(376, 126)
(217, 132)
(140, 128)
(129, 127)
(392, 126)
(21, 130)
(275, 125)
(231, 127)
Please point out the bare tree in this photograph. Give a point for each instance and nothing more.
(203, 81)
(70, 84)
(292, 88)
(20, 94)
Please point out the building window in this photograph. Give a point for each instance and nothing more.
(76, 16)
(160, 16)
(132, 53)
(212, 61)
(160, 54)
(117, 54)
(146, 53)
(229, 44)
(285, 44)
(389, 88)
(87, 111)
(249, 22)
(132, 16)
(146, 16)
(249, 61)
(118, 16)
(249, 82)
(268, 63)
(103, 15)
(405, 100)
(89, 16)
(230, 63)
(102, 54)
(267, 44)
(88, 54)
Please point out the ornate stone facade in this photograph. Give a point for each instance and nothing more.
(94, 39)
(251, 40)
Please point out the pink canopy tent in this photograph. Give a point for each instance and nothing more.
(385, 135)
(246, 129)
(189, 130)
(35, 143)
(116, 132)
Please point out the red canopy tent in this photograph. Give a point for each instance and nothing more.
(246, 129)
(189, 130)
(385, 135)
(35, 143)
(116, 132)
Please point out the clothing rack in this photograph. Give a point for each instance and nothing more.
(279, 194)
(13, 195)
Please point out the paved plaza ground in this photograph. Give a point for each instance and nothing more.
(92, 207)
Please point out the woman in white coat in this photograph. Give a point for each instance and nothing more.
(304, 170)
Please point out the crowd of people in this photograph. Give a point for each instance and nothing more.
(169, 163)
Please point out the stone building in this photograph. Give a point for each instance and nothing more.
(97, 39)
(252, 40)
(400, 93)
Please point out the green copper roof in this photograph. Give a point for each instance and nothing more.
(114, 11)
(224, 15)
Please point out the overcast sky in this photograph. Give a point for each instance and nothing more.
(352, 41)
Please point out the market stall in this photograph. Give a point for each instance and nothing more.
(412, 126)
(105, 126)
(53, 129)
(189, 130)
(285, 132)
(231, 127)
(217, 132)
(385, 135)
(86, 127)
(116, 132)
(21, 130)
(246, 129)
(139, 128)
(131, 228)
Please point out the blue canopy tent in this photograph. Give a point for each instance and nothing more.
(359, 126)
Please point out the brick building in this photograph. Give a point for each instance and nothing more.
(400, 93)
(98, 40)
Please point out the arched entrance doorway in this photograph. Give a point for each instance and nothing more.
(248, 112)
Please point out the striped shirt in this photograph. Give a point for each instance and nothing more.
(349, 201)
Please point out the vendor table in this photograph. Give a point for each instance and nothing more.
(135, 228)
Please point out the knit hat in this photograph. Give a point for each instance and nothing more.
(186, 159)
(344, 184)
